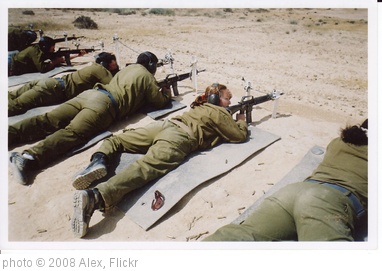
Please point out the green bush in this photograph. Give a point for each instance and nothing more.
(162, 11)
(124, 11)
(84, 22)
(28, 12)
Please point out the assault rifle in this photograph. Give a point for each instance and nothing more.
(66, 38)
(67, 52)
(172, 80)
(246, 104)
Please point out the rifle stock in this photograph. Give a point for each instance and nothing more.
(67, 52)
(246, 104)
(172, 80)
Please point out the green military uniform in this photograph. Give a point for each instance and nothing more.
(31, 59)
(50, 91)
(18, 39)
(91, 112)
(310, 211)
(166, 144)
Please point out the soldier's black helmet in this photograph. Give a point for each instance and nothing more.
(31, 36)
(45, 43)
(148, 60)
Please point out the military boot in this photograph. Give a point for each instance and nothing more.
(85, 202)
(94, 171)
(20, 164)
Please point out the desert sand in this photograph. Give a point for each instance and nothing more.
(317, 57)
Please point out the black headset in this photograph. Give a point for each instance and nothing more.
(215, 97)
(151, 66)
(104, 59)
(45, 43)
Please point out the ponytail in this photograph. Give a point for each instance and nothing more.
(357, 135)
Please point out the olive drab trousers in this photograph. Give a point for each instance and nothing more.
(300, 211)
(165, 146)
(35, 93)
(65, 127)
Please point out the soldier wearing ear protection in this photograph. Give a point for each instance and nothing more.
(105, 59)
(77, 120)
(49, 91)
(34, 58)
(214, 98)
(19, 39)
(149, 61)
(165, 144)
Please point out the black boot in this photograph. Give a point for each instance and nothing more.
(20, 165)
(85, 202)
(94, 171)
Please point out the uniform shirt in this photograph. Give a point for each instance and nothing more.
(86, 78)
(346, 165)
(31, 59)
(212, 124)
(17, 39)
(133, 87)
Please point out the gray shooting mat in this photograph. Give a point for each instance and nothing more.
(31, 113)
(190, 174)
(298, 174)
(27, 77)
(157, 114)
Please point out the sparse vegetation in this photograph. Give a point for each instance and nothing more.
(28, 12)
(124, 11)
(230, 10)
(84, 22)
(261, 10)
(162, 11)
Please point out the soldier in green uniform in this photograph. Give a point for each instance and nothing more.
(49, 91)
(35, 58)
(91, 112)
(165, 144)
(330, 205)
(19, 39)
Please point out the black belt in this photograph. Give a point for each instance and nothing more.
(359, 210)
(114, 103)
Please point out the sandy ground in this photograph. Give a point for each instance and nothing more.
(317, 57)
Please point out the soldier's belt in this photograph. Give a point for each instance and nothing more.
(114, 103)
(61, 82)
(359, 210)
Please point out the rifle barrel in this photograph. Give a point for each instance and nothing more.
(67, 38)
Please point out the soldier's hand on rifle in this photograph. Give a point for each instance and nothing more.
(240, 116)
(166, 90)
(54, 62)
(82, 52)
(58, 60)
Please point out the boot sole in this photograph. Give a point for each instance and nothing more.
(79, 225)
(20, 177)
(82, 182)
